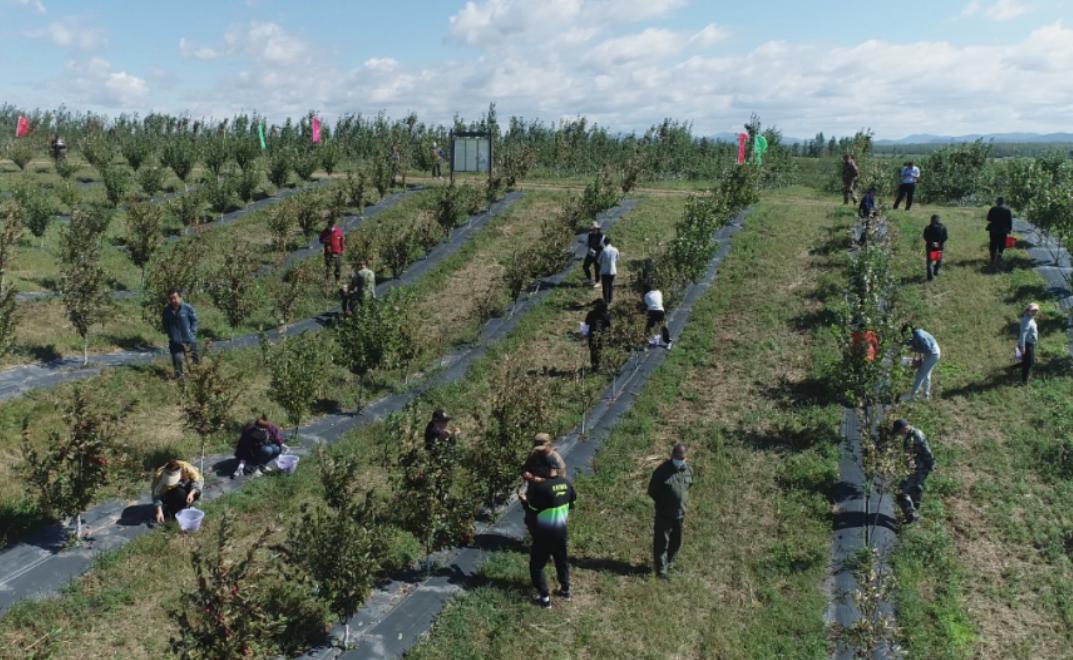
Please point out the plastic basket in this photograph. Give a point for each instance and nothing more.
(935, 255)
(1011, 241)
(190, 519)
(287, 463)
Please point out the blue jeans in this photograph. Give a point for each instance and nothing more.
(266, 453)
(923, 376)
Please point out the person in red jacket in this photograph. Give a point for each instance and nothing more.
(334, 242)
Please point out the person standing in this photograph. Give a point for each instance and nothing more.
(179, 321)
(910, 174)
(999, 226)
(656, 316)
(261, 441)
(911, 489)
(592, 256)
(934, 240)
(850, 174)
(435, 153)
(1026, 341)
(928, 352)
(362, 288)
(608, 261)
(547, 506)
(669, 490)
(176, 485)
(599, 322)
(334, 242)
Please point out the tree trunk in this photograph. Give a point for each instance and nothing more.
(202, 456)
(85, 350)
(78, 528)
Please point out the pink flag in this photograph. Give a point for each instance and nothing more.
(23, 128)
(316, 129)
(742, 139)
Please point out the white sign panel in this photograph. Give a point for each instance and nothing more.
(471, 155)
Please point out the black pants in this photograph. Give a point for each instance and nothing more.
(178, 350)
(658, 317)
(996, 246)
(666, 541)
(1028, 360)
(596, 347)
(932, 267)
(590, 262)
(905, 191)
(608, 281)
(545, 547)
(333, 263)
(175, 499)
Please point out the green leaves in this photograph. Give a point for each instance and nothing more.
(300, 368)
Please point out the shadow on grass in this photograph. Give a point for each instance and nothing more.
(790, 439)
(1011, 376)
(813, 320)
(127, 342)
(810, 391)
(1026, 293)
(838, 241)
(17, 519)
(41, 353)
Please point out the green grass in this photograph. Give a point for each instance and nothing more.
(988, 570)
(736, 389)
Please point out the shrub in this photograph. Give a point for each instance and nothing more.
(151, 179)
(244, 151)
(291, 288)
(82, 278)
(355, 188)
(329, 156)
(281, 221)
(215, 154)
(178, 267)
(233, 286)
(98, 150)
(187, 208)
(37, 208)
(136, 149)
(598, 196)
(116, 180)
(954, 173)
(305, 162)
(300, 367)
(180, 154)
(246, 182)
(206, 398)
(448, 209)
(516, 159)
(217, 192)
(378, 335)
(279, 167)
(397, 250)
(20, 152)
(144, 223)
(10, 231)
(65, 168)
(307, 208)
(73, 466)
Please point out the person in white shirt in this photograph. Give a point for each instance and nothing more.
(657, 316)
(1027, 339)
(608, 261)
(909, 176)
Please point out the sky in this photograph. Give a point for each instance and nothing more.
(949, 67)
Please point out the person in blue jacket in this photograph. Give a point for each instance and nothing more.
(179, 321)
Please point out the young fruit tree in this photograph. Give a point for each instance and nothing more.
(37, 209)
(83, 282)
(71, 467)
(226, 614)
(177, 267)
(340, 543)
(295, 284)
(11, 216)
(207, 396)
(300, 368)
(434, 499)
(233, 286)
(151, 179)
(144, 232)
(378, 335)
(180, 154)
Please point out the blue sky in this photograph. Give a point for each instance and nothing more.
(947, 66)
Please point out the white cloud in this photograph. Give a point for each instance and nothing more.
(35, 5)
(94, 81)
(71, 32)
(999, 10)
(204, 53)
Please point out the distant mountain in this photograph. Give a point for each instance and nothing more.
(927, 138)
(998, 138)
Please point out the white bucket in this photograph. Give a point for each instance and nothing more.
(190, 519)
(287, 463)
(583, 328)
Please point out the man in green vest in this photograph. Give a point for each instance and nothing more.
(547, 507)
(669, 489)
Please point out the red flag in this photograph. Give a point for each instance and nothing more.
(742, 139)
(316, 129)
(23, 128)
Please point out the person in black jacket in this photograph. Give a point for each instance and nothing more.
(599, 321)
(547, 507)
(999, 226)
(592, 256)
(934, 241)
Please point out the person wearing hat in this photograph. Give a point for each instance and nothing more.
(1026, 341)
(608, 261)
(542, 459)
(334, 242)
(669, 490)
(261, 442)
(361, 289)
(592, 256)
(176, 485)
(924, 344)
(911, 489)
(934, 241)
(436, 431)
(850, 174)
(599, 321)
(547, 508)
